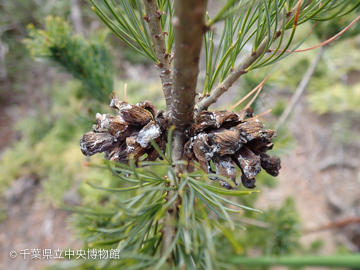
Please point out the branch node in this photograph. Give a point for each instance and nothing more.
(166, 71)
(277, 34)
(159, 14)
(146, 17)
(171, 57)
(206, 28)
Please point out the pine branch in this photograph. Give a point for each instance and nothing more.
(153, 17)
(189, 29)
(241, 68)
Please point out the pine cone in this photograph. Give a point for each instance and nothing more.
(225, 138)
(229, 140)
(128, 133)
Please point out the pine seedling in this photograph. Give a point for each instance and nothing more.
(163, 214)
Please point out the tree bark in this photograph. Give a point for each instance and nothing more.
(189, 29)
(153, 17)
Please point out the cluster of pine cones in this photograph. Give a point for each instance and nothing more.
(218, 140)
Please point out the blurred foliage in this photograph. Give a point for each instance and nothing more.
(279, 107)
(48, 147)
(336, 98)
(335, 87)
(86, 59)
(17, 11)
(282, 237)
(15, 15)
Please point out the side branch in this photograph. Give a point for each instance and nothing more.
(240, 69)
(189, 29)
(157, 36)
(170, 221)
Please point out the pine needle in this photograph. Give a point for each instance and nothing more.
(253, 99)
(125, 92)
(250, 93)
(326, 41)
(262, 114)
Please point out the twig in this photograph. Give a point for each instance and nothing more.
(153, 18)
(189, 29)
(301, 88)
(334, 225)
(240, 69)
(169, 229)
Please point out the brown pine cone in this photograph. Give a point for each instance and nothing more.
(128, 133)
(225, 138)
(229, 140)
